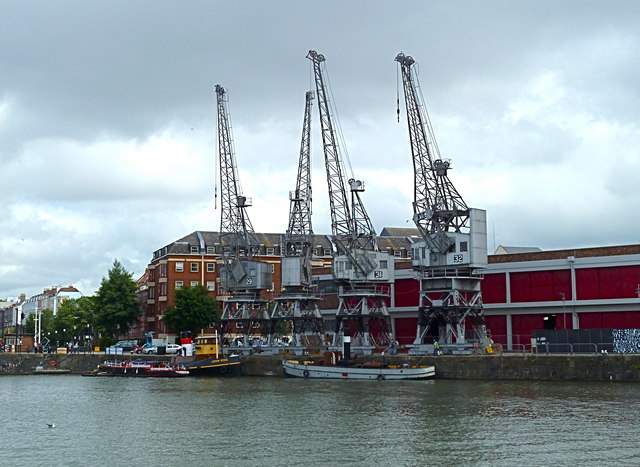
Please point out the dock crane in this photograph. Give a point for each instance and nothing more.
(453, 251)
(362, 272)
(297, 304)
(240, 275)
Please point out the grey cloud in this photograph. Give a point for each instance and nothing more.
(77, 74)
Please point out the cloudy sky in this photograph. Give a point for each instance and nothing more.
(107, 120)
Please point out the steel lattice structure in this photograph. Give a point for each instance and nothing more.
(297, 305)
(237, 234)
(438, 207)
(451, 254)
(358, 266)
(244, 310)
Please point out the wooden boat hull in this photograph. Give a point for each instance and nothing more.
(141, 370)
(302, 370)
(222, 366)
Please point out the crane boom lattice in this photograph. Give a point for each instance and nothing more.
(241, 277)
(297, 305)
(360, 269)
(453, 249)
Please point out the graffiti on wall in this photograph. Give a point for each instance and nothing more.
(626, 340)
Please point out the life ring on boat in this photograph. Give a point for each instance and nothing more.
(305, 373)
(380, 377)
(53, 363)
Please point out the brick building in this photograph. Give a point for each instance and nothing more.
(194, 260)
(50, 299)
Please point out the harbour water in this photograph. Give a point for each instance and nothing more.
(250, 421)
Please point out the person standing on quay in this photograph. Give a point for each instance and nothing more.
(436, 347)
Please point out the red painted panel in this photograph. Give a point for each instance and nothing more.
(618, 319)
(406, 330)
(498, 327)
(520, 287)
(407, 292)
(564, 321)
(522, 325)
(607, 283)
(590, 320)
(561, 285)
(494, 288)
(609, 320)
(540, 286)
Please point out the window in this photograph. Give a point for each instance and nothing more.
(194, 248)
(179, 267)
(271, 251)
(211, 267)
(327, 252)
(152, 292)
(211, 249)
(273, 268)
(179, 284)
(384, 264)
(194, 283)
(463, 246)
(397, 254)
(163, 288)
(194, 267)
(163, 270)
(211, 285)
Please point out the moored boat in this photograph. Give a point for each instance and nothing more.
(141, 368)
(335, 367)
(213, 366)
(208, 360)
(370, 371)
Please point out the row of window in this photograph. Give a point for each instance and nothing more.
(269, 251)
(195, 267)
(211, 285)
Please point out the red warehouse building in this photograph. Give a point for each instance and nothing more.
(588, 288)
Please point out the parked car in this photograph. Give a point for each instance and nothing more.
(140, 348)
(170, 349)
(126, 346)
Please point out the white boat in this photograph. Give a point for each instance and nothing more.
(362, 371)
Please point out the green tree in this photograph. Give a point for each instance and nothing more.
(66, 322)
(193, 310)
(73, 319)
(30, 324)
(87, 307)
(116, 305)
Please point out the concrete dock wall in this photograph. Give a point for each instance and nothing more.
(538, 367)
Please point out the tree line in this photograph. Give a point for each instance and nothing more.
(115, 309)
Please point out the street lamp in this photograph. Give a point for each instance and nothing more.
(564, 314)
